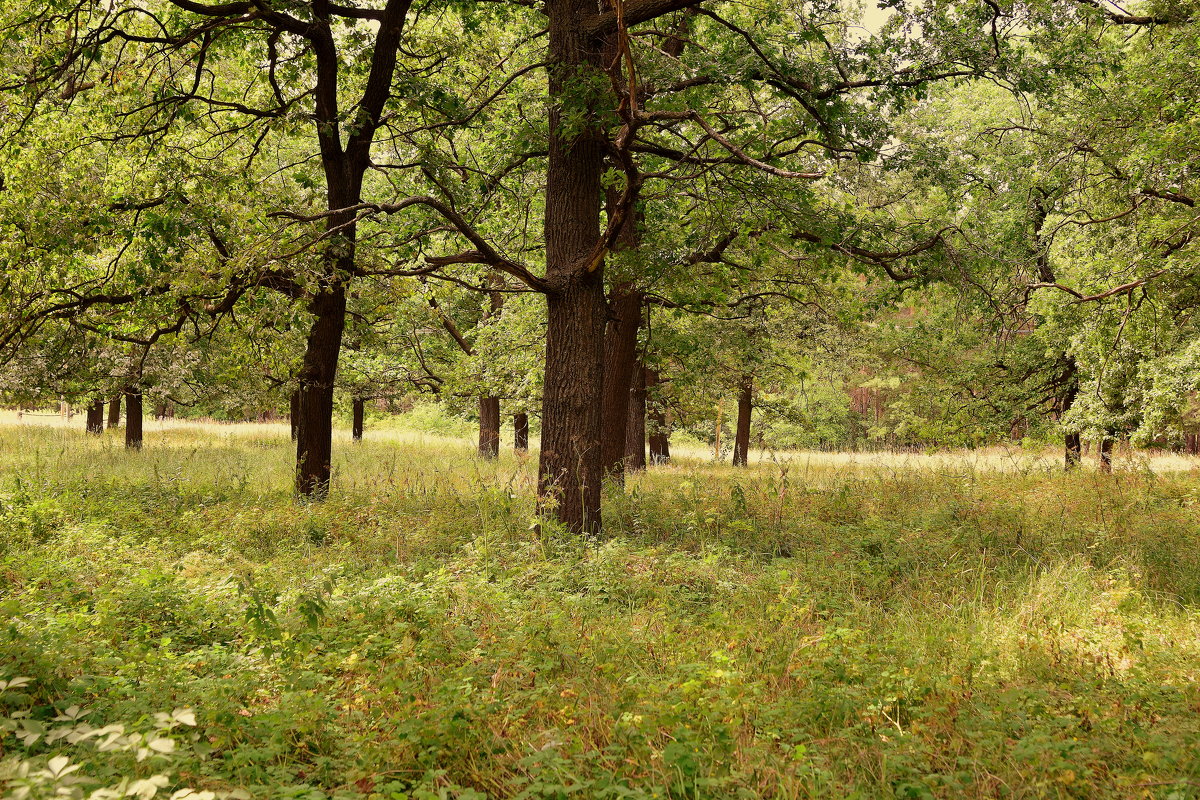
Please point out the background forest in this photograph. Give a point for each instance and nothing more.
(846, 249)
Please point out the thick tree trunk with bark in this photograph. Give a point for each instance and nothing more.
(620, 360)
(1106, 448)
(660, 433)
(1074, 450)
(741, 440)
(114, 412)
(314, 434)
(95, 417)
(359, 415)
(635, 430)
(133, 418)
(489, 427)
(570, 469)
(521, 432)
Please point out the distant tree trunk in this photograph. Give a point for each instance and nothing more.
(294, 413)
(660, 433)
(1106, 447)
(741, 441)
(160, 411)
(521, 432)
(133, 418)
(620, 361)
(95, 417)
(489, 427)
(1192, 443)
(314, 436)
(356, 427)
(1074, 448)
(635, 430)
(114, 412)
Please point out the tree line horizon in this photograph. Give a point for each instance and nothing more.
(981, 213)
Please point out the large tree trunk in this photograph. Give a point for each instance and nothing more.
(95, 417)
(635, 430)
(660, 432)
(1074, 450)
(294, 413)
(1106, 448)
(359, 415)
(521, 432)
(741, 440)
(489, 427)
(314, 436)
(620, 360)
(133, 418)
(114, 412)
(570, 468)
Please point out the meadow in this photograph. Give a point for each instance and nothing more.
(961, 625)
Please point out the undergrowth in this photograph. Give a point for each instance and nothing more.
(766, 632)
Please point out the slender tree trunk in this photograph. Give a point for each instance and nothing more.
(294, 413)
(133, 418)
(314, 436)
(521, 432)
(635, 430)
(114, 412)
(356, 426)
(1074, 450)
(1106, 448)
(571, 467)
(660, 431)
(489, 427)
(741, 440)
(95, 417)
(1192, 445)
(620, 361)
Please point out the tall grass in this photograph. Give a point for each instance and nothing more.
(960, 625)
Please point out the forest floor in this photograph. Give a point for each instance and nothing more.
(870, 626)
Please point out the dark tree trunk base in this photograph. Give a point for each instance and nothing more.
(489, 427)
(1106, 448)
(314, 436)
(635, 430)
(741, 440)
(114, 412)
(521, 432)
(356, 426)
(660, 434)
(95, 417)
(1074, 450)
(133, 418)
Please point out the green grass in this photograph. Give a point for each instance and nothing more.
(810, 629)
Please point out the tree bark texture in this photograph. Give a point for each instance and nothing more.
(521, 432)
(133, 418)
(741, 440)
(635, 430)
(570, 467)
(294, 413)
(359, 415)
(489, 427)
(1106, 448)
(114, 412)
(314, 432)
(620, 360)
(1074, 450)
(660, 431)
(95, 417)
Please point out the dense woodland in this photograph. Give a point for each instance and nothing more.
(594, 231)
